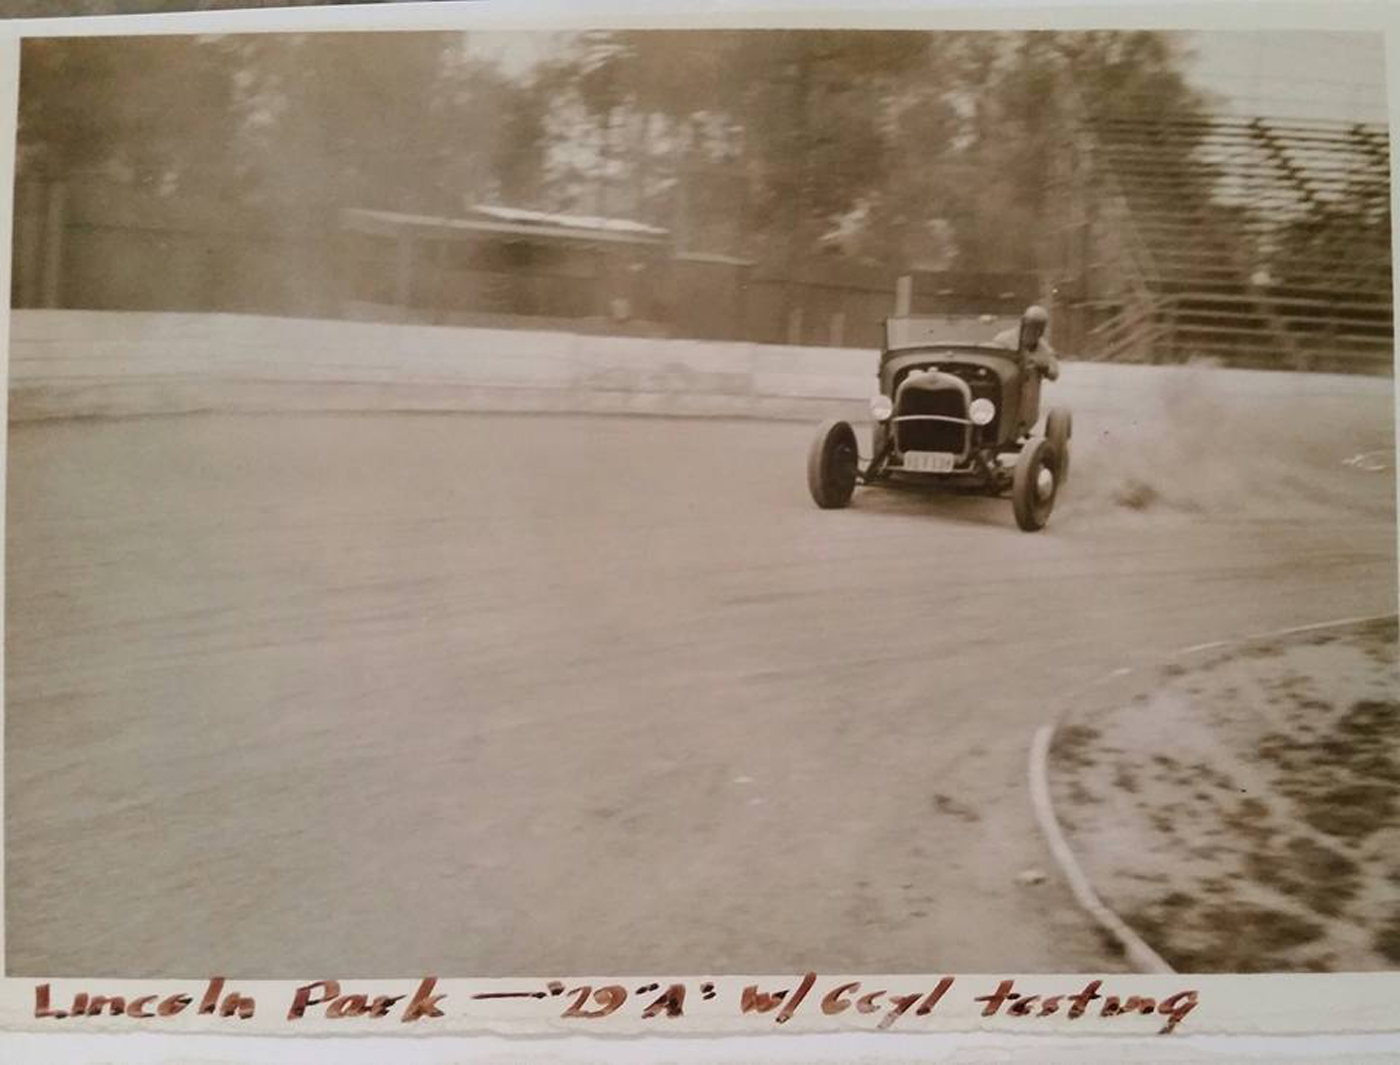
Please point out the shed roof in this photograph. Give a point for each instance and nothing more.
(560, 228)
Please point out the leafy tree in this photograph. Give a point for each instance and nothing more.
(896, 148)
(915, 146)
(1038, 87)
(790, 128)
(358, 120)
(151, 110)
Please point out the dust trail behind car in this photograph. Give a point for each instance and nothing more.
(1227, 444)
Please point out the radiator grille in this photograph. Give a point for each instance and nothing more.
(931, 435)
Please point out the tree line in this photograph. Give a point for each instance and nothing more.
(902, 148)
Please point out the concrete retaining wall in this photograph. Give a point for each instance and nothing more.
(90, 363)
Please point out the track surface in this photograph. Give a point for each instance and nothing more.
(374, 694)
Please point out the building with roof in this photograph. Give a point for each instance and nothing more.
(503, 265)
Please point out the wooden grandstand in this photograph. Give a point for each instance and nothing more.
(1254, 242)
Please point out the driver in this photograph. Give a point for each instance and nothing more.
(1032, 328)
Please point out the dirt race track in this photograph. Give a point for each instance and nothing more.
(368, 694)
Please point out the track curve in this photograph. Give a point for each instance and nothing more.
(471, 694)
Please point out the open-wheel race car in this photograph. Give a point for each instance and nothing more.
(954, 415)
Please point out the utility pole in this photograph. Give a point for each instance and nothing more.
(903, 295)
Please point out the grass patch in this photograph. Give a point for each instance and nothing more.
(1226, 937)
(1071, 746)
(1387, 940)
(1351, 812)
(1344, 781)
(1319, 877)
(1124, 779)
(1250, 818)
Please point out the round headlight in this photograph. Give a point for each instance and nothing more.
(983, 410)
(881, 407)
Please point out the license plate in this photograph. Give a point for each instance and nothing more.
(929, 461)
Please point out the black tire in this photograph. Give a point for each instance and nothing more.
(1032, 494)
(831, 465)
(1059, 427)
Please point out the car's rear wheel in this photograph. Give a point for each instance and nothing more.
(831, 465)
(1034, 485)
(1059, 426)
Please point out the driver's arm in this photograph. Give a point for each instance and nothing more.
(1046, 360)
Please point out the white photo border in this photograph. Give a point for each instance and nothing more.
(1273, 1017)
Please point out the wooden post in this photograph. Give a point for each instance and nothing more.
(794, 326)
(54, 224)
(29, 243)
(442, 295)
(903, 295)
(744, 329)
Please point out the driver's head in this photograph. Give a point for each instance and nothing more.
(1036, 319)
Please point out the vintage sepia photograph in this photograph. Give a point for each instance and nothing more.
(707, 501)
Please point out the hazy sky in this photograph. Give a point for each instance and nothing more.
(1294, 75)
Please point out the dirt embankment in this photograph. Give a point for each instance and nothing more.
(1245, 815)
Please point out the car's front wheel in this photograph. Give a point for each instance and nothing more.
(832, 462)
(1034, 485)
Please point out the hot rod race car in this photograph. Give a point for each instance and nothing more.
(950, 415)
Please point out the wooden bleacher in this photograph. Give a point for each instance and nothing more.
(1253, 242)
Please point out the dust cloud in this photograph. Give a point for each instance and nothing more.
(1214, 443)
